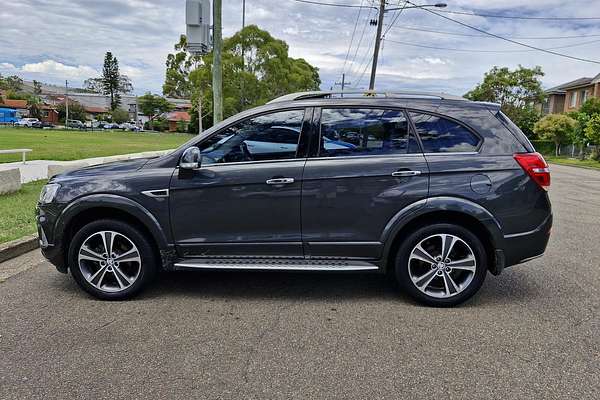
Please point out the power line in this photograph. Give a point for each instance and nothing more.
(487, 51)
(509, 40)
(422, 29)
(318, 3)
(352, 38)
(395, 18)
(362, 34)
(475, 14)
(519, 17)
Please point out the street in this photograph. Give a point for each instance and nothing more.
(532, 332)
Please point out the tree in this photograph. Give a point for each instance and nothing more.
(153, 106)
(76, 111)
(111, 83)
(592, 132)
(37, 87)
(516, 91)
(590, 107)
(266, 71)
(555, 127)
(119, 116)
(179, 65)
(578, 135)
(12, 83)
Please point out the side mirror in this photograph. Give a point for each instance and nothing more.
(190, 158)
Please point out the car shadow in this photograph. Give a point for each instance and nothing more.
(510, 287)
(272, 285)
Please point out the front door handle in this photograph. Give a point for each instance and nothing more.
(399, 174)
(280, 181)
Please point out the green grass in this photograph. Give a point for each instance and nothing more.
(17, 211)
(74, 145)
(573, 162)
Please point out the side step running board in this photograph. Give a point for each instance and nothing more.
(275, 264)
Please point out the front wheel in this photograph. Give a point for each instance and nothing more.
(441, 265)
(111, 260)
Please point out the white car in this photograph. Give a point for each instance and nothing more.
(29, 122)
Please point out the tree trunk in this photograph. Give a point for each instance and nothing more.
(556, 148)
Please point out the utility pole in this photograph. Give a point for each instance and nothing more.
(66, 104)
(377, 43)
(217, 73)
(343, 83)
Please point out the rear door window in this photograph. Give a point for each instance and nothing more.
(442, 135)
(365, 131)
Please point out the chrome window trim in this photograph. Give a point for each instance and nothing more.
(250, 162)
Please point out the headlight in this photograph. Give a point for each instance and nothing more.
(48, 193)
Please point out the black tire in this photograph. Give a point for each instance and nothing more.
(402, 272)
(147, 268)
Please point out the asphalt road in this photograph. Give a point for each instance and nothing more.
(533, 332)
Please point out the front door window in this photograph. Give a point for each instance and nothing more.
(272, 136)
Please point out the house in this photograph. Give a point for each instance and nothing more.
(176, 118)
(49, 114)
(20, 106)
(571, 95)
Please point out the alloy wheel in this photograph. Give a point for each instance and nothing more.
(109, 261)
(442, 265)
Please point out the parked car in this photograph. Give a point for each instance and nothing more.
(75, 123)
(128, 126)
(28, 122)
(439, 191)
(44, 124)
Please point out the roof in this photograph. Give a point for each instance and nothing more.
(10, 103)
(96, 110)
(561, 89)
(178, 116)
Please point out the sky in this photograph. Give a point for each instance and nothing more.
(54, 40)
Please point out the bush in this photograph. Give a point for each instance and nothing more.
(545, 147)
(556, 127)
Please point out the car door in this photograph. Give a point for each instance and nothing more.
(368, 167)
(244, 200)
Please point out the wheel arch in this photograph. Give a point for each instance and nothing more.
(95, 207)
(452, 210)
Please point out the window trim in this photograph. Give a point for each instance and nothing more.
(464, 125)
(306, 110)
(573, 99)
(316, 153)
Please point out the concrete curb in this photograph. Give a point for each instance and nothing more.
(18, 247)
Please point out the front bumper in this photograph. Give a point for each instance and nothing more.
(50, 245)
(522, 247)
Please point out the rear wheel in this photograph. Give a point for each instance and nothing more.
(111, 260)
(441, 265)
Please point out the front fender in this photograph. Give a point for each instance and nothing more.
(121, 203)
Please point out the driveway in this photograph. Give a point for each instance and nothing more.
(533, 332)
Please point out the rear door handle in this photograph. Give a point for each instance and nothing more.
(280, 181)
(405, 173)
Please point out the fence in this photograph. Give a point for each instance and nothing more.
(547, 147)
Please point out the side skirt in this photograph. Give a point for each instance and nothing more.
(275, 264)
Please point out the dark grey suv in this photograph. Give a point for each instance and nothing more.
(432, 189)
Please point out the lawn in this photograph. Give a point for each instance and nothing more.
(17, 211)
(573, 162)
(74, 145)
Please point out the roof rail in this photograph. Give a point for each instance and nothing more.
(367, 93)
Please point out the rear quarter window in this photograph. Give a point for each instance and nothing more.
(442, 135)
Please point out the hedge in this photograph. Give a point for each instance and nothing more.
(544, 146)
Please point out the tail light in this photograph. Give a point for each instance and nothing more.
(536, 167)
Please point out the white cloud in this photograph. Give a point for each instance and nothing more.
(54, 68)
